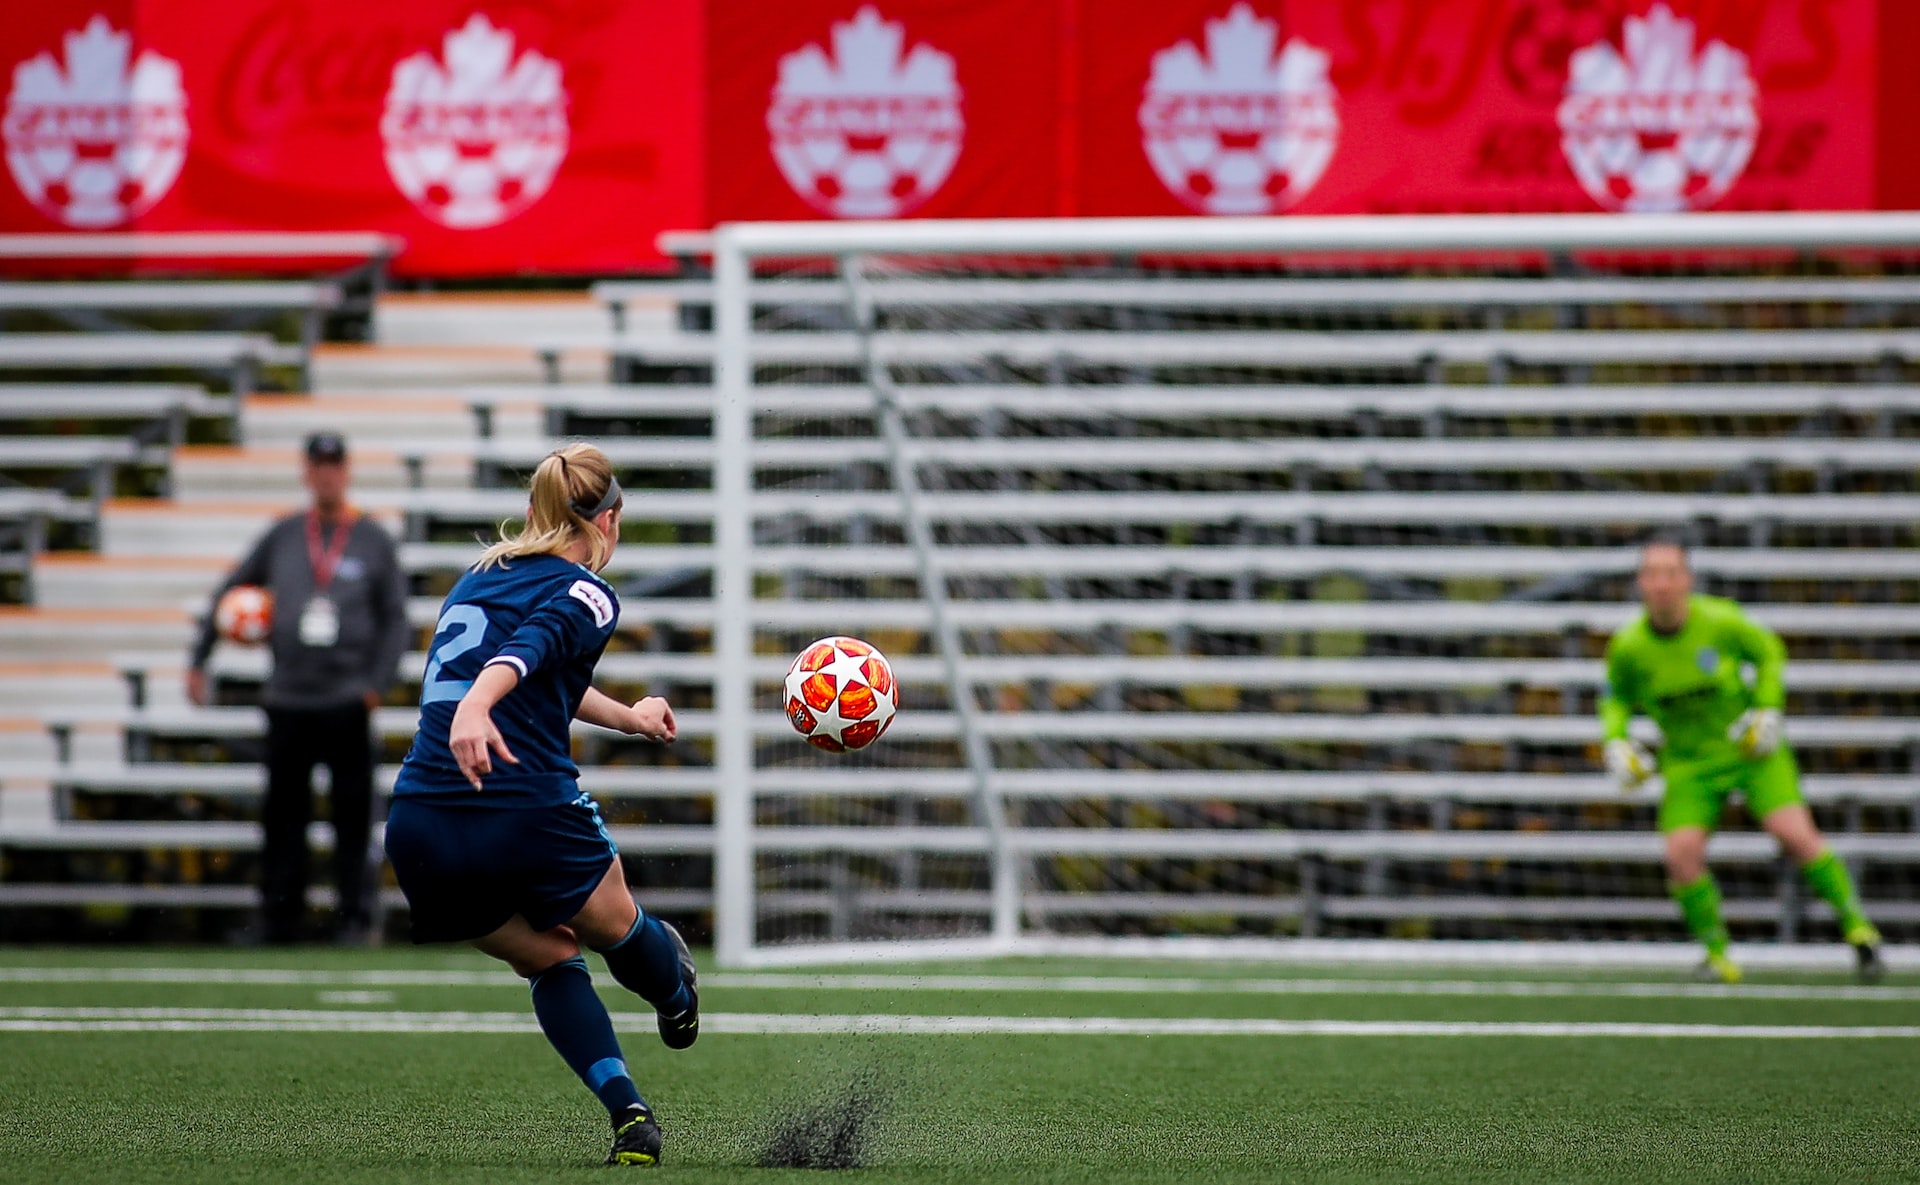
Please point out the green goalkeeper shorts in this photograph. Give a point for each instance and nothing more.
(1697, 791)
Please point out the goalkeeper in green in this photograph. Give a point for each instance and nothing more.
(1680, 663)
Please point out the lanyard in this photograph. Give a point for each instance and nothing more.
(326, 562)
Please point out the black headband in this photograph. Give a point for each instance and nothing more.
(606, 500)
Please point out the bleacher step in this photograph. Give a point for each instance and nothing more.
(27, 688)
(109, 582)
(273, 473)
(25, 807)
(173, 531)
(497, 318)
(285, 421)
(364, 367)
(90, 635)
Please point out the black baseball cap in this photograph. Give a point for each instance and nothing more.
(326, 448)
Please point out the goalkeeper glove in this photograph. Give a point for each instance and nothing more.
(1757, 731)
(1629, 762)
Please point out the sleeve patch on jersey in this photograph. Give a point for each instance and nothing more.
(596, 599)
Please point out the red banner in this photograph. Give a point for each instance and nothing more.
(923, 108)
(1395, 106)
(563, 135)
(553, 136)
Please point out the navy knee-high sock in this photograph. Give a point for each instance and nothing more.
(647, 963)
(576, 1022)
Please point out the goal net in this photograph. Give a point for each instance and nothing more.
(1249, 580)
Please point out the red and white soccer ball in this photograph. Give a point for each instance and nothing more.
(245, 615)
(840, 694)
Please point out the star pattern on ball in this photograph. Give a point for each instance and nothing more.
(840, 694)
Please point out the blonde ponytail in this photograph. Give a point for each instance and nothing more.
(569, 488)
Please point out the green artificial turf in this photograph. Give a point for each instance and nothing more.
(219, 1107)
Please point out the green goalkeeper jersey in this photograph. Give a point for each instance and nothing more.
(1693, 683)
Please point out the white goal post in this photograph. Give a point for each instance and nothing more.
(1028, 498)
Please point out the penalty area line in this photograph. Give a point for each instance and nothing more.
(213, 1020)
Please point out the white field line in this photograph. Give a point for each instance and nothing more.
(904, 982)
(260, 977)
(1149, 985)
(1303, 953)
(208, 1020)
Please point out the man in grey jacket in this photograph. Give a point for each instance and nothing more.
(339, 630)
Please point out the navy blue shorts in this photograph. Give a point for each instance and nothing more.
(467, 869)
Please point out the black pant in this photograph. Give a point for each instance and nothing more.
(297, 740)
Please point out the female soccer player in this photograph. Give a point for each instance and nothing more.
(1680, 663)
(512, 856)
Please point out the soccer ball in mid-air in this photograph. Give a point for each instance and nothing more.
(840, 694)
(245, 615)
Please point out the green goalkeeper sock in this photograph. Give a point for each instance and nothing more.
(1700, 905)
(1828, 877)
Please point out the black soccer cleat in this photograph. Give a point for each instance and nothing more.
(1865, 941)
(636, 1138)
(1868, 964)
(683, 1030)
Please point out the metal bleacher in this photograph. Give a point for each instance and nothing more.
(1289, 624)
(88, 333)
(110, 343)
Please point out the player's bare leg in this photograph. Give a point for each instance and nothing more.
(1802, 842)
(609, 913)
(1686, 855)
(1698, 896)
(527, 950)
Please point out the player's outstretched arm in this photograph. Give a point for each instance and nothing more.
(473, 737)
(651, 717)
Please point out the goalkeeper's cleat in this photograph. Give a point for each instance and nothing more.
(683, 1030)
(636, 1137)
(1718, 969)
(1865, 941)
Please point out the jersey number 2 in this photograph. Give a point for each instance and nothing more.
(470, 625)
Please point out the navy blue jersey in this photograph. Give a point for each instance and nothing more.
(548, 618)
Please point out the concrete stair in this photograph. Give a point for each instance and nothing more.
(158, 559)
(109, 582)
(27, 688)
(385, 367)
(170, 533)
(92, 634)
(374, 419)
(492, 318)
(271, 473)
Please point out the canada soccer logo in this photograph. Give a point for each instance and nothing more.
(476, 140)
(100, 139)
(1239, 131)
(1661, 128)
(869, 132)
